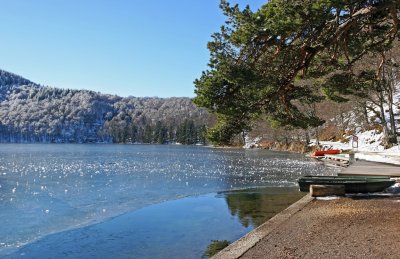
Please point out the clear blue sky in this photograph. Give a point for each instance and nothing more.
(124, 47)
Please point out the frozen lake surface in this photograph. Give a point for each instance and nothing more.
(52, 192)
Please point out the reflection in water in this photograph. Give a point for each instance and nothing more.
(46, 189)
(215, 247)
(255, 206)
(176, 229)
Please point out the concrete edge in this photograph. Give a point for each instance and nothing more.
(241, 246)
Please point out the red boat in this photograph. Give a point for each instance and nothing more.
(326, 152)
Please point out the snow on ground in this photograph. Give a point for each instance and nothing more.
(369, 148)
(251, 143)
(380, 157)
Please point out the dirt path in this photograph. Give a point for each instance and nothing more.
(372, 168)
(341, 228)
(347, 227)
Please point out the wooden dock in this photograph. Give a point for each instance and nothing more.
(337, 160)
(340, 160)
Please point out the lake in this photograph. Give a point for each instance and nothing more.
(138, 201)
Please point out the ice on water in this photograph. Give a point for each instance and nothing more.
(50, 188)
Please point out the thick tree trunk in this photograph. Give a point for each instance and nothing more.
(389, 85)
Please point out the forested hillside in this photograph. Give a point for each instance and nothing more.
(33, 113)
(10, 81)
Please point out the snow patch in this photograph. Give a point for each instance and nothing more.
(251, 142)
(328, 198)
(369, 147)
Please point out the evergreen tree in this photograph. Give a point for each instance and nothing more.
(133, 133)
(140, 135)
(148, 134)
(171, 134)
(160, 133)
(191, 133)
(202, 135)
(181, 133)
(187, 133)
(280, 60)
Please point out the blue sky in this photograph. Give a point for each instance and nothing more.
(123, 47)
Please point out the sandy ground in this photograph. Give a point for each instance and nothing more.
(358, 227)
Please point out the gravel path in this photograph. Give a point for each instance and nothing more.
(342, 228)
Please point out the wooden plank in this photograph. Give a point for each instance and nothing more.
(327, 190)
(336, 163)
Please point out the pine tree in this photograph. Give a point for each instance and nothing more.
(133, 133)
(280, 60)
(148, 134)
(202, 134)
(160, 133)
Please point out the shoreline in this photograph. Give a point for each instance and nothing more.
(285, 235)
(151, 227)
(247, 242)
(350, 227)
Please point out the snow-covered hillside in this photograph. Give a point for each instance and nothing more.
(33, 113)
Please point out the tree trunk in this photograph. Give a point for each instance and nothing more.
(307, 137)
(383, 119)
(365, 112)
(391, 113)
(317, 136)
(307, 140)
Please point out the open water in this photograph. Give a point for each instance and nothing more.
(138, 201)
